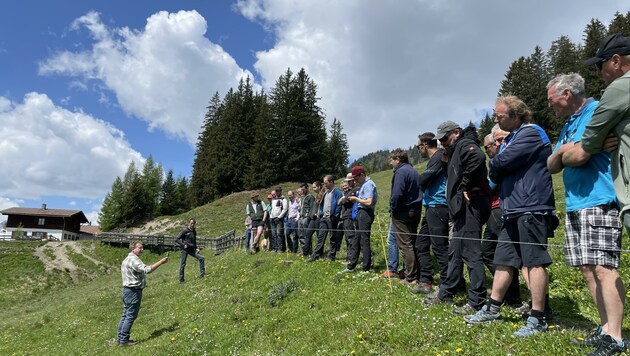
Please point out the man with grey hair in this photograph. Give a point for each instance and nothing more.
(590, 196)
(609, 130)
(134, 279)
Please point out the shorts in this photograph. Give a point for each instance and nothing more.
(257, 223)
(593, 237)
(522, 242)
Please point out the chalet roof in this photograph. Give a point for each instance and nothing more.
(90, 229)
(46, 212)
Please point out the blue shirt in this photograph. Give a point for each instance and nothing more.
(368, 190)
(433, 181)
(590, 184)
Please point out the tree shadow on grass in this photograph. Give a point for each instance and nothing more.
(159, 332)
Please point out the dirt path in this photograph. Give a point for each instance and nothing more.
(61, 260)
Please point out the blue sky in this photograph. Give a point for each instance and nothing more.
(86, 87)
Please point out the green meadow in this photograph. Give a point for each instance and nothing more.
(263, 304)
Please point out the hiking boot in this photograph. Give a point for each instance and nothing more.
(402, 275)
(405, 282)
(346, 270)
(428, 301)
(483, 315)
(591, 340)
(422, 288)
(389, 274)
(608, 346)
(532, 327)
(465, 309)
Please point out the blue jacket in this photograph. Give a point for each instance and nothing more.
(335, 209)
(520, 169)
(406, 193)
(433, 181)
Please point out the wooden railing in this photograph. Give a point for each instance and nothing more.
(167, 242)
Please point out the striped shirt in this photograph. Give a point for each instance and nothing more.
(134, 272)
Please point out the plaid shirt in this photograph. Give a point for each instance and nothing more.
(134, 272)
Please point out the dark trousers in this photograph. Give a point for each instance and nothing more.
(489, 245)
(406, 230)
(309, 229)
(361, 241)
(433, 236)
(182, 265)
(277, 235)
(292, 230)
(465, 248)
(349, 229)
(326, 226)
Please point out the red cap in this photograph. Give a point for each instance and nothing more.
(356, 170)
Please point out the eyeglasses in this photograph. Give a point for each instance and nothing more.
(417, 147)
(448, 134)
(600, 64)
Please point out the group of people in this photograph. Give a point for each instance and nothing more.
(289, 223)
(511, 193)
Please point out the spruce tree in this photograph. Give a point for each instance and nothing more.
(337, 150)
(152, 182)
(203, 182)
(485, 127)
(110, 215)
(593, 35)
(620, 24)
(168, 202)
(182, 195)
(563, 57)
(134, 204)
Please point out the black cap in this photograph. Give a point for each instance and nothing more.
(613, 44)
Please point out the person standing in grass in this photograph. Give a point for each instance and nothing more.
(187, 240)
(134, 279)
(609, 130)
(527, 200)
(256, 209)
(366, 199)
(329, 212)
(405, 206)
(467, 194)
(434, 224)
(308, 216)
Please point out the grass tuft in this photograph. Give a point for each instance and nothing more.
(280, 291)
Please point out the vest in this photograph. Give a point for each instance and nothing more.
(259, 211)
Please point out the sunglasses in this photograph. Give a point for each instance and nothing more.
(600, 64)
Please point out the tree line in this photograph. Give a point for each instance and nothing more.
(249, 139)
(142, 195)
(252, 139)
(527, 77)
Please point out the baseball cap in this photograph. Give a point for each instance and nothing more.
(445, 128)
(356, 170)
(612, 44)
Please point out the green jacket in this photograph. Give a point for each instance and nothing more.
(613, 115)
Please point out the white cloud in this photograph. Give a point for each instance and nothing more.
(390, 70)
(164, 74)
(6, 203)
(48, 150)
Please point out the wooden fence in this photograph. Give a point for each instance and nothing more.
(166, 242)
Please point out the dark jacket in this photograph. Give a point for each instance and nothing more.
(433, 180)
(346, 205)
(406, 194)
(467, 171)
(308, 207)
(335, 209)
(187, 239)
(521, 171)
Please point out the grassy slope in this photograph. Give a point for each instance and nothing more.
(260, 305)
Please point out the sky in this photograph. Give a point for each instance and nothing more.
(86, 87)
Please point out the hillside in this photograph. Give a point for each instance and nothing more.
(264, 304)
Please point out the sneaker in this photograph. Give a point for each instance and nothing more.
(591, 340)
(483, 315)
(389, 274)
(532, 326)
(608, 346)
(346, 270)
(328, 258)
(422, 288)
(465, 309)
(405, 282)
(311, 259)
